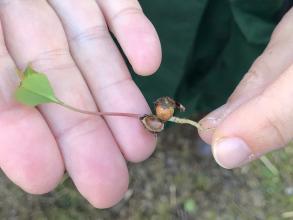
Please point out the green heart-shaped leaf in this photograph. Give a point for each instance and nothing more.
(35, 89)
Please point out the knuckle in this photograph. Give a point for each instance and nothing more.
(114, 83)
(93, 33)
(80, 128)
(132, 10)
(260, 68)
(274, 122)
(253, 79)
(277, 128)
(55, 59)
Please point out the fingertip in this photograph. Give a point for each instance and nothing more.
(211, 122)
(29, 155)
(110, 196)
(209, 126)
(231, 152)
(98, 168)
(38, 182)
(141, 147)
(140, 42)
(206, 136)
(103, 188)
(34, 172)
(135, 142)
(147, 57)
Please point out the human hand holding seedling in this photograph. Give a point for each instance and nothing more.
(35, 89)
(70, 42)
(258, 116)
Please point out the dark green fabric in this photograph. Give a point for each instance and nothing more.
(207, 47)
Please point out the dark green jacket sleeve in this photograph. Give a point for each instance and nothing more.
(207, 47)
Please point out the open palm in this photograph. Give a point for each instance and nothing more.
(70, 41)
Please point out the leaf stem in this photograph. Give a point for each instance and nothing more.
(186, 121)
(133, 115)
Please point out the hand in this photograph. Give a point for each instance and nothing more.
(69, 40)
(258, 117)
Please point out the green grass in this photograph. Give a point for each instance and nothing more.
(173, 184)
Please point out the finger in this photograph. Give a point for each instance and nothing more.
(91, 155)
(106, 75)
(135, 33)
(29, 155)
(259, 126)
(276, 58)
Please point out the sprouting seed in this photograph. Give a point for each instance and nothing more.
(35, 89)
(165, 108)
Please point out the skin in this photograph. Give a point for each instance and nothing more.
(259, 112)
(69, 40)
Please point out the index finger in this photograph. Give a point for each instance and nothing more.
(135, 33)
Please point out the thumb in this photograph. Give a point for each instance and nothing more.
(276, 58)
(263, 124)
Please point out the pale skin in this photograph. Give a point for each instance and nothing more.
(259, 113)
(69, 41)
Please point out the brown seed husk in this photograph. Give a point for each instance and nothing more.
(152, 123)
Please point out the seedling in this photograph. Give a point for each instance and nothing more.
(35, 89)
(164, 109)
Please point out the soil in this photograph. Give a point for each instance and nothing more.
(175, 183)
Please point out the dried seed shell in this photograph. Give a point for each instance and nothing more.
(152, 123)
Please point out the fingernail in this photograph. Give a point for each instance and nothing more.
(231, 152)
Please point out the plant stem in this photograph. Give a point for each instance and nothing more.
(186, 121)
(271, 167)
(133, 115)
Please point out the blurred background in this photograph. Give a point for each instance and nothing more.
(207, 47)
(177, 182)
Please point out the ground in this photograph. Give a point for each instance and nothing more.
(175, 183)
